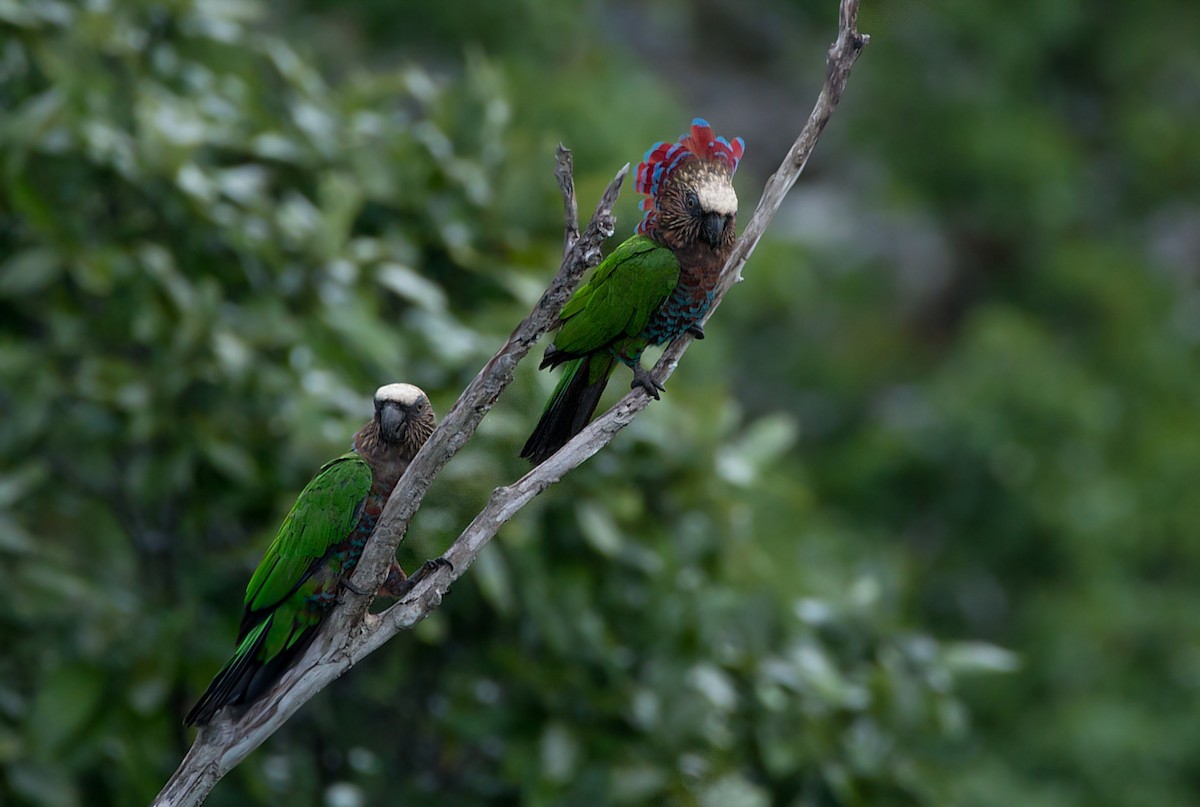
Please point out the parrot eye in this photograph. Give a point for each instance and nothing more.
(692, 201)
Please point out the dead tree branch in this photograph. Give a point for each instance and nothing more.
(352, 633)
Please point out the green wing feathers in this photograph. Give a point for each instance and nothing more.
(605, 317)
(322, 516)
(619, 298)
(279, 619)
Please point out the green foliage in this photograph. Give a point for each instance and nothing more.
(951, 411)
(208, 263)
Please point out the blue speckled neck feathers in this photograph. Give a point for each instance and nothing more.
(652, 289)
(687, 305)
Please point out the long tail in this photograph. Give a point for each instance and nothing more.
(571, 405)
(245, 677)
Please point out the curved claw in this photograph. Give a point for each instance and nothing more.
(696, 331)
(434, 564)
(645, 379)
(346, 584)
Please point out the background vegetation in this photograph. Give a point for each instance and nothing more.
(916, 524)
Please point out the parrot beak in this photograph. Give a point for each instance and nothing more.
(714, 226)
(391, 421)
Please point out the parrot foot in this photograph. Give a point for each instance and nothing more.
(397, 583)
(696, 331)
(645, 379)
(427, 568)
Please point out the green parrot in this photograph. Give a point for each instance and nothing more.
(296, 584)
(653, 288)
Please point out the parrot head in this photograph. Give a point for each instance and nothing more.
(689, 189)
(403, 415)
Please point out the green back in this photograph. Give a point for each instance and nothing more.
(620, 296)
(322, 516)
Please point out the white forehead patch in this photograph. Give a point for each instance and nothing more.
(716, 194)
(403, 394)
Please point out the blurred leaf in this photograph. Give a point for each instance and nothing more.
(765, 440)
(599, 529)
(968, 657)
(29, 272)
(43, 784)
(408, 284)
(494, 580)
(67, 699)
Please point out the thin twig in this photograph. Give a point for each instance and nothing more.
(352, 633)
(564, 172)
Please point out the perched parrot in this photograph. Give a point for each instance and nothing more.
(653, 288)
(296, 583)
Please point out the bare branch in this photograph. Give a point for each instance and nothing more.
(352, 633)
(564, 172)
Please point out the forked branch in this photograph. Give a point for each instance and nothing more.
(352, 633)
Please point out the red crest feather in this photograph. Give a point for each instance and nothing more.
(663, 158)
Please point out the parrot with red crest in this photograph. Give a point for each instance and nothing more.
(653, 288)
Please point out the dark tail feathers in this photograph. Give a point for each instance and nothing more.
(570, 407)
(245, 679)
